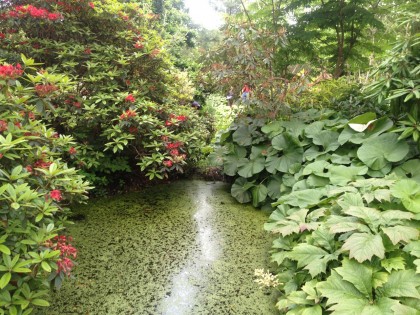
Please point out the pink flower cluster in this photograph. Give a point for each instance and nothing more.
(10, 71)
(65, 264)
(29, 10)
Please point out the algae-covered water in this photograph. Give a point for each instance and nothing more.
(178, 249)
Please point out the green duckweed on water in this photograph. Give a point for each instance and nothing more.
(179, 249)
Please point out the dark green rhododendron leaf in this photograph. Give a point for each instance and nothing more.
(248, 168)
(328, 139)
(259, 194)
(241, 190)
(232, 160)
(273, 187)
(273, 128)
(243, 136)
(378, 151)
(408, 191)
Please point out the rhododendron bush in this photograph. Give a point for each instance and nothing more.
(128, 95)
(36, 189)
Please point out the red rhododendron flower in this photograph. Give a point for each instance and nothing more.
(2, 36)
(18, 125)
(174, 152)
(168, 163)
(168, 123)
(64, 264)
(72, 151)
(29, 169)
(127, 114)
(77, 104)
(10, 71)
(87, 51)
(181, 118)
(130, 98)
(56, 195)
(1, 155)
(92, 5)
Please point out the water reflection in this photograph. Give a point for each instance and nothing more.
(187, 283)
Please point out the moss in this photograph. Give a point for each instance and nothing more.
(183, 248)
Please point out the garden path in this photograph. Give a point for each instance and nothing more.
(179, 249)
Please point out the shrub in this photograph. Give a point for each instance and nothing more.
(36, 190)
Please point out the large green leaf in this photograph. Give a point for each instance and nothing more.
(313, 258)
(360, 275)
(376, 152)
(294, 127)
(341, 175)
(401, 283)
(230, 166)
(273, 128)
(313, 129)
(284, 162)
(343, 293)
(363, 246)
(248, 168)
(319, 168)
(301, 198)
(327, 139)
(240, 190)
(273, 187)
(401, 233)
(410, 168)
(409, 192)
(259, 194)
(243, 136)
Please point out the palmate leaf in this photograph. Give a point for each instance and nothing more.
(401, 233)
(410, 168)
(394, 263)
(345, 299)
(273, 187)
(401, 283)
(360, 275)
(363, 246)
(401, 309)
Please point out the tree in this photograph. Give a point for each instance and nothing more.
(335, 26)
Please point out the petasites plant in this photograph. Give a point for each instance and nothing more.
(36, 189)
(346, 197)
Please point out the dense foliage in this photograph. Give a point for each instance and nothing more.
(346, 198)
(36, 188)
(130, 107)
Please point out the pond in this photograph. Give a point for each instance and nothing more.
(178, 249)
